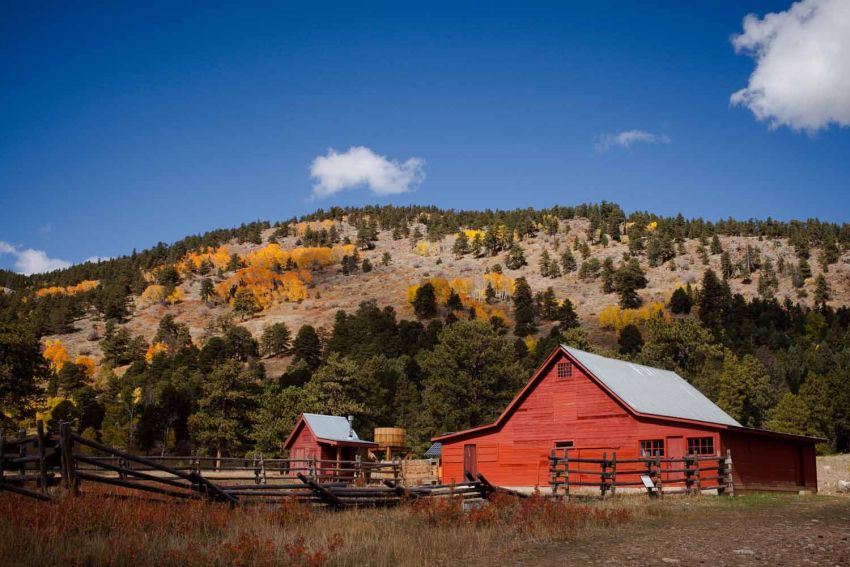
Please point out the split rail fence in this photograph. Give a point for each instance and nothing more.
(73, 460)
(689, 474)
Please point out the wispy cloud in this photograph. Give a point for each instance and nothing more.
(361, 167)
(29, 261)
(802, 74)
(627, 138)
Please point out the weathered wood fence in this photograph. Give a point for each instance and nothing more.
(73, 460)
(688, 474)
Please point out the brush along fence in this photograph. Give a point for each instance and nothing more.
(657, 475)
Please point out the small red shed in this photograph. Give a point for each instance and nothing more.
(593, 405)
(323, 443)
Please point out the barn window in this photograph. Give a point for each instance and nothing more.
(563, 444)
(565, 369)
(700, 445)
(652, 448)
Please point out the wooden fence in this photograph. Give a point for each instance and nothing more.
(27, 462)
(73, 460)
(657, 475)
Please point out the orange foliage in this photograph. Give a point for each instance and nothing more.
(87, 362)
(176, 296)
(83, 286)
(218, 257)
(154, 350)
(55, 353)
(461, 286)
(154, 293)
(500, 282)
(273, 256)
(267, 286)
(301, 227)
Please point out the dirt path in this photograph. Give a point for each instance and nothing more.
(788, 531)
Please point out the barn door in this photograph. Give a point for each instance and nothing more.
(470, 460)
(675, 450)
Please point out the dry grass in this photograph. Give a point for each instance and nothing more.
(99, 530)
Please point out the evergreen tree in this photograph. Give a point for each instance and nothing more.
(549, 305)
(715, 303)
(716, 248)
(567, 316)
(545, 263)
(453, 302)
(469, 376)
(790, 415)
(568, 261)
(627, 280)
(207, 289)
(680, 302)
(276, 340)
(607, 275)
(386, 259)
(726, 267)
(516, 257)
(476, 245)
(489, 293)
(245, 304)
(805, 269)
(822, 292)
(425, 301)
(461, 245)
(523, 308)
(744, 389)
(630, 341)
(366, 266)
(307, 347)
(22, 368)
(222, 422)
(829, 253)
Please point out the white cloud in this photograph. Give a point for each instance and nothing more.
(625, 139)
(31, 261)
(802, 74)
(360, 166)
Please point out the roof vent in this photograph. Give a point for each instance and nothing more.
(350, 427)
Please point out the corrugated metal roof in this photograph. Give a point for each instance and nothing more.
(652, 390)
(331, 427)
(434, 451)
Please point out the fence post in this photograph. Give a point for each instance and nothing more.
(730, 486)
(614, 473)
(68, 473)
(42, 465)
(689, 472)
(602, 472)
(659, 485)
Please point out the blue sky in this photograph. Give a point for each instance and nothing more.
(121, 126)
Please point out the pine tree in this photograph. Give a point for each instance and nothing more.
(386, 259)
(608, 275)
(523, 308)
(516, 257)
(715, 303)
(630, 340)
(245, 304)
(476, 245)
(366, 266)
(461, 245)
(805, 269)
(545, 263)
(567, 316)
(453, 303)
(829, 253)
(716, 248)
(680, 302)
(425, 301)
(568, 261)
(489, 293)
(207, 289)
(307, 347)
(726, 267)
(744, 389)
(549, 305)
(627, 279)
(822, 292)
(276, 340)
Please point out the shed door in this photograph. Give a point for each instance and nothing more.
(470, 460)
(676, 449)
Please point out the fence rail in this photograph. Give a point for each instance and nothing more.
(689, 474)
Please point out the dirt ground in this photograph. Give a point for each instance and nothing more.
(752, 530)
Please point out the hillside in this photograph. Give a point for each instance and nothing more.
(428, 319)
(331, 291)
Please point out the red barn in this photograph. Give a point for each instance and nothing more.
(593, 404)
(323, 442)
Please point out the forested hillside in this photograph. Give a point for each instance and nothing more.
(427, 319)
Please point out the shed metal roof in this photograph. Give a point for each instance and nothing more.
(652, 390)
(434, 451)
(331, 427)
